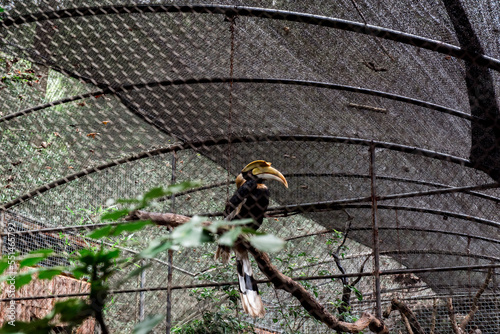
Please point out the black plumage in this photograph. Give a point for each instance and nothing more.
(250, 200)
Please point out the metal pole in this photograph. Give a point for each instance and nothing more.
(2, 230)
(170, 255)
(376, 244)
(142, 295)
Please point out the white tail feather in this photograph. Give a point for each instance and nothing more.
(252, 304)
(250, 298)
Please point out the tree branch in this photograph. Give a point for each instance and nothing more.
(407, 313)
(345, 303)
(279, 280)
(434, 316)
(475, 303)
(451, 314)
(407, 323)
(458, 329)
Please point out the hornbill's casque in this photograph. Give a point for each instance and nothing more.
(250, 200)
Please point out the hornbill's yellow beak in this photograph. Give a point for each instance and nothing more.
(264, 170)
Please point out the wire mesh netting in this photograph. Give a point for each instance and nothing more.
(382, 116)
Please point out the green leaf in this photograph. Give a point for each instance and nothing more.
(45, 252)
(230, 236)
(49, 273)
(191, 234)
(249, 230)
(147, 325)
(31, 261)
(177, 188)
(195, 237)
(106, 256)
(73, 310)
(85, 252)
(152, 194)
(182, 231)
(80, 272)
(129, 227)
(4, 264)
(219, 223)
(22, 280)
(115, 215)
(20, 327)
(100, 232)
(155, 247)
(358, 293)
(267, 243)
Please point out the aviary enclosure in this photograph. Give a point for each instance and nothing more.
(382, 115)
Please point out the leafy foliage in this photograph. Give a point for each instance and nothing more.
(218, 322)
(99, 264)
(26, 76)
(222, 320)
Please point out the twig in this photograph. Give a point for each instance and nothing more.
(309, 303)
(409, 315)
(346, 288)
(361, 269)
(280, 281)
(474, 307)
(451, 314)
(434, 316)
(407, 323)
(285, 319)
(460, 328)
(336, 256)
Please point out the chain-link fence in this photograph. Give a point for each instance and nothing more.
(382, 116)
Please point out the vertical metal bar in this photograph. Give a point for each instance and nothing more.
(142, 294)
(2, 230)
(376, 241)
(496, 300)
(170, 254)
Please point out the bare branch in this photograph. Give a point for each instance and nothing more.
(168, 219)
(407, 313)
(459, 329)
(346, 233)
(407, 323)
(361, 269)
(280, 281)
(475, 302)
(345, 304)
(451, 314)
(434, 316)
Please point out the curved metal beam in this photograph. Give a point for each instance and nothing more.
(87, 227)
(347, 175)
(332, 206)
(224, 140)
(274, 14)
(290, 209)
(426, 230)
(193, 81)
(416, 251)
(299, 278)
(404, 228)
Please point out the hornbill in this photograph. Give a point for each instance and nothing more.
(250, 200)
